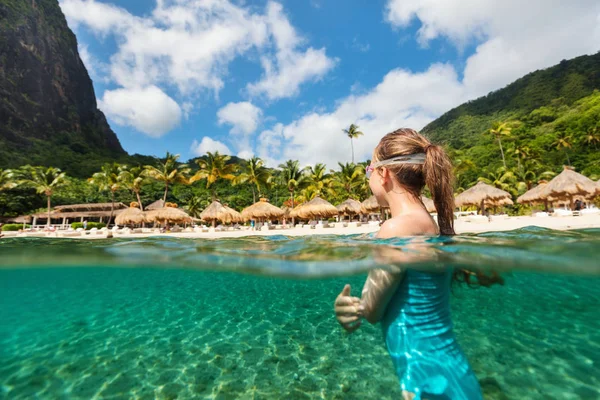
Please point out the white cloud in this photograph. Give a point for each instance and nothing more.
(515, 37)
(288, 68)
(189, 44)
(244, 117)
(245, 154)
(401, 99)
(208, 144)
(149, 109)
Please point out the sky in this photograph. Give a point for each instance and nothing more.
(281, 79)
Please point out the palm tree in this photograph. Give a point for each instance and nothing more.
(6, 179)
(563, 141)
(462, 165)
(592, 137)
(347, 179)
(318, 178)
(307, 194)
(44, 180)
(168, 172)
(293, 177)
(213, 168)
(501, 178)
(352, 132)
(498, 130)
(108, 179)
(521, 153)
(256, 175)
(527, 177)
(134, 179)
(194, 206)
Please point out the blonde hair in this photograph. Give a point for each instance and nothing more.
(436, 173)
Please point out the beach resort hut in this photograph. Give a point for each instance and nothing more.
(168, 215)
(370, 205)
(215, 212)
(479, 195)
(569, 184)
(157, 205)
(349, 207)
(231, 216)
(79, 212)
(533, 195)
(262, 211)
(131, 215)
(317, 208)
(428, 203)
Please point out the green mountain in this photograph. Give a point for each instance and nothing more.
(48, 111)
(554, 117)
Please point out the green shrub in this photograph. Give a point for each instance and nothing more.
(13, 227)
(90, 225)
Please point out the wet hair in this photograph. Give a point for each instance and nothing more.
(436, 174)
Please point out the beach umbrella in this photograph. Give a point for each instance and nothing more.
(370, 205)
(131, 215)
(262, 210)
(231, 216)
(428, 203)
(215, 212)
(317, 208)
(350, 207)
(533, 195)
(157, 205)
(479, 194)
(569, 184)
(168, 214)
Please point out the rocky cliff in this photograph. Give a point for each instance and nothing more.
(48, 111)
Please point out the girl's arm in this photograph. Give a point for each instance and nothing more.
(377, 293)
(381, 284)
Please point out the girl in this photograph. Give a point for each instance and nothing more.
(413, 306)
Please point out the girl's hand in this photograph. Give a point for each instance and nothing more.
(348, 310)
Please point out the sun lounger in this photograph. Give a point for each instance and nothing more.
(590, 211)
(562, 213)
(353, 224)
(478, 219)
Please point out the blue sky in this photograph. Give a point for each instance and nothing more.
(281, 80)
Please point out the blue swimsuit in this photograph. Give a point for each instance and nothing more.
(419, 337)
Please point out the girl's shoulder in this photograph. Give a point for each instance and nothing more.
(408, 225)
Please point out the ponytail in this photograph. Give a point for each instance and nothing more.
(437, 172)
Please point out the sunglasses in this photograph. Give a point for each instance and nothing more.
(418, 158)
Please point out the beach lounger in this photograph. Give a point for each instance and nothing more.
(562, 213)
(353, 224)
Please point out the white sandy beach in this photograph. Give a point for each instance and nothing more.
(462, 225)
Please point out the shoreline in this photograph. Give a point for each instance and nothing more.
(462, 226)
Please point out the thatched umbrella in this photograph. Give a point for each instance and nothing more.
(262, 210)
(350, 207)
(370, 205)
(479, 194)
(428, 203)
(232, 216)
(168, 214)
(131, 215)
(214, 212)
(317, 208)
(533, 195)
(569, 184)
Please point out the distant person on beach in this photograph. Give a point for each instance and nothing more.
(413, 305)
(85, 224)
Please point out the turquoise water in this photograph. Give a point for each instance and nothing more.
(252, 318)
